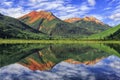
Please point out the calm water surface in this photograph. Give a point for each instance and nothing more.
(60, 61)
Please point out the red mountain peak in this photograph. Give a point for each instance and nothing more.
(34, 15)
(93, 19)
(71, 20)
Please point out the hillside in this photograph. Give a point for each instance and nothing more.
(112, 33)
(90, 23)
(42, 21)
(48, 23)
(13, 28)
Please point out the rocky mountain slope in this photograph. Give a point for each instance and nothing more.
(13, 28)
(48, 23)
(90, 23)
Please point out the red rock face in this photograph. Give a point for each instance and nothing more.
(91, 19)
(71, 20)
(34, 65)
(86, 62)
(34, 16)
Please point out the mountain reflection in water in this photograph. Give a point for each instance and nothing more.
(60, 62)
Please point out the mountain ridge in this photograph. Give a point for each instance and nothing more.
(50, 16)
(54, 26)
(87, 18)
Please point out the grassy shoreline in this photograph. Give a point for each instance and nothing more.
(15, 41)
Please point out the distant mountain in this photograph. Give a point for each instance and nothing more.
(90, 19)
(13, 28)
(71, 20)
(90, 23)
(93, 19)
(48, 23)
(112, 33)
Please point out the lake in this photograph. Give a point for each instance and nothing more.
(85, 61)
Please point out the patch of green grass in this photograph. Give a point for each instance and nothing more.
(13, 41)
(105, 34)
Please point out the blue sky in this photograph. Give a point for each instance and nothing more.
(107, 11)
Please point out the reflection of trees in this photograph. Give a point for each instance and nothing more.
(56, 53)
(11, 53)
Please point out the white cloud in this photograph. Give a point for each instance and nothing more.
(61, 8)
(46, 5)
(100, 17)
(66, 16)
(115, 14)
(33, 1)
(36, 2)
(92, 2)
(14, 12)
(84, 7)
(108, 8)
(73, 10)
(118, 7)
(113, 23)
(8, 3)
(113, 0)
(115, 17)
